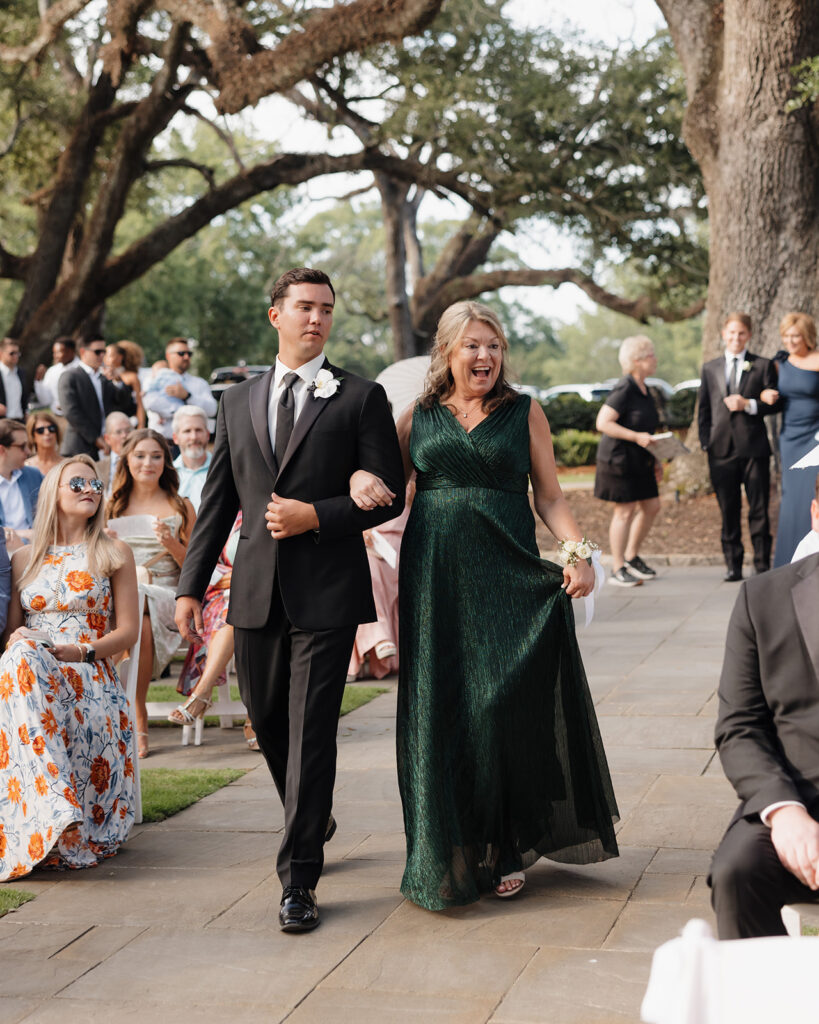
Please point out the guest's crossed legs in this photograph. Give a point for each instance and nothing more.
(292, 684)
(750, 885)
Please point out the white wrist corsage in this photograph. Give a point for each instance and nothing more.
(325, 385)
(570, 552)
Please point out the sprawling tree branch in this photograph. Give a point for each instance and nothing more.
(49, 28)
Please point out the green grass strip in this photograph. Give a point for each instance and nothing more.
(166, 791)
(11, 899)
(354, 697)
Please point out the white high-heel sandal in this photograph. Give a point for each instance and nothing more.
(516, 876)
(189, 717)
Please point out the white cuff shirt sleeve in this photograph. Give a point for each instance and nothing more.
(765, 815)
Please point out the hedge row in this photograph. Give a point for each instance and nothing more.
(571, 412)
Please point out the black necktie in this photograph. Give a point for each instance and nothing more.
(733, 383)
(284, 417)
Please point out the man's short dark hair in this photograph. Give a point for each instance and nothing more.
(299, 275)
(8, 428)
(66, 341)
(88, 342)
(178, 341)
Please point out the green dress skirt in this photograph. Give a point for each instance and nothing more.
(499, 754)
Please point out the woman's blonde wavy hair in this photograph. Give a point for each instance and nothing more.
(103, 557)
(451, 328)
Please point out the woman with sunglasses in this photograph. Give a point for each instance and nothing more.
(146, 485)
(65, 730)
(44, 439)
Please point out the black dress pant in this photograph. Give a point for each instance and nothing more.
(292, 682)
(749, 884)
(729, 475)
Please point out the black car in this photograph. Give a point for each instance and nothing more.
(223, 376)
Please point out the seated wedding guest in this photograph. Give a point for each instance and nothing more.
(5, 582)
(87, 397)
(15, 388)
(65, 732)
(117, 430)
(767, 736)
(146, 484)
(810, 542)
(121, 362)
(170, 389)
(375, 651)
(627, 473)
(205, 663)
(64, 352)
(19, 484)
(191, 436)
(44, 437)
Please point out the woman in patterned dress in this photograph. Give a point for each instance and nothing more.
(66, 777)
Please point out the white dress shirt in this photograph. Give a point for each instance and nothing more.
(96, 380)
(14, 393)
(46, 389)
(11, 497)
(750, 407)
(307, 374)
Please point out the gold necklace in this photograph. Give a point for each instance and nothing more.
(461, 412)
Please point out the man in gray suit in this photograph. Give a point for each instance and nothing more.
(768, 741)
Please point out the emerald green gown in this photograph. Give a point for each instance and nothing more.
(499, 754)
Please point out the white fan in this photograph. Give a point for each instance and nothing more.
(403, 381)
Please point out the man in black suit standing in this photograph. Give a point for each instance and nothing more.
(768, 741)
(15, 389)
(287, 443)
(86, 398)
(732, 432)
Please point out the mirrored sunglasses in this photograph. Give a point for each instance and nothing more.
(50, 429)
(77, 485)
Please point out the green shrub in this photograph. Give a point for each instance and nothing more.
(571, 412)
(575, 447)
(680, 409)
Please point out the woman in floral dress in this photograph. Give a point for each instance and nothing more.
(66, 776)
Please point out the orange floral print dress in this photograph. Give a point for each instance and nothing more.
(66, 774)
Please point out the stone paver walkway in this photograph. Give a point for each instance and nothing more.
(181, 925)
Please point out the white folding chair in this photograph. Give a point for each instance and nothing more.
(226, 708)
(128, 677)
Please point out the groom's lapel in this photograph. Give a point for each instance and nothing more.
(805, 596)
(307, 417)
(259, 396)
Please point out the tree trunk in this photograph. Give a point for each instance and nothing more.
(760, 163)
(393, 200)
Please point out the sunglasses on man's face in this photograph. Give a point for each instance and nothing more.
(181, 352)
(97, 351)
(50, 429)
(77, 485)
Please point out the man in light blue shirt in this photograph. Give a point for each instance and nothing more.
(19, 484)
(190, 434)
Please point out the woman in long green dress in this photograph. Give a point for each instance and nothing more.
(499, 755)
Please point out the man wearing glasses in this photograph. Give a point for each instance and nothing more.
(14, 388)
(86, 398)
(19, 484)
(175, 388)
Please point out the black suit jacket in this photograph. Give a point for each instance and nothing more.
(324, 578)
(26, 395)
(80, 406)
(722, 432)
(768, 723)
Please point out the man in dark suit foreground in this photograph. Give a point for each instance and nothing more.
(768, 741)
(86, 398)
(287, 443)
(732, 432)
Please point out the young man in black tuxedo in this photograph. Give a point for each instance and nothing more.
(732, 432)
(287, 443)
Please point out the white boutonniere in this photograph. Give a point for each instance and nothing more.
(325, 385)
(746, 366)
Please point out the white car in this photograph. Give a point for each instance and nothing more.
(588, 392)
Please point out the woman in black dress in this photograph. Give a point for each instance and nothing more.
(627, 473)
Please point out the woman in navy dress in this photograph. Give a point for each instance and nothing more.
(799, 392)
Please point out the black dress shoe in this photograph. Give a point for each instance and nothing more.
(732, 576)
(332, 825)
(299, 910)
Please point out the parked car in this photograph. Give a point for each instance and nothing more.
(687, 385)
(224, 376)
(656, 383)
(588, 392)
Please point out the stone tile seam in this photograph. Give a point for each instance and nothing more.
(497, 1005)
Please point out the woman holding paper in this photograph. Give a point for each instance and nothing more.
(627, 473)
(66, 778)
(145, 491)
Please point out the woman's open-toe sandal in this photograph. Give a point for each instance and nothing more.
(193, 708)
(516, 876)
